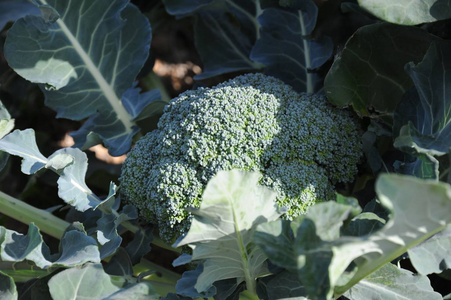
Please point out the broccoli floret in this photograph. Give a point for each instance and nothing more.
(301, 144)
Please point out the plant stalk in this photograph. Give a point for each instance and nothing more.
(25, 213)
(55, 227)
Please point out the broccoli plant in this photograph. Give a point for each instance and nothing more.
(268, 169)
(300, 143)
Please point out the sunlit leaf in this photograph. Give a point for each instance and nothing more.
(72, 187)
(85, 55)
(91, 282)
(233, 204)
(432, 256)
(391, 282)
(6, 123)
(23, 143)
(76, 248)
(408, 12)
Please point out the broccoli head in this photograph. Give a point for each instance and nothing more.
(300, 143)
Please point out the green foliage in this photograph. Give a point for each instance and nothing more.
(78, 75)
(76, 248)
(91, 282)
(301, 144)
(407, 12)
(7, 287)
(223, 157)
(233, 204)
(390, 282)
(251, 35)
(424, 115)
(365, 77)
(329, 262)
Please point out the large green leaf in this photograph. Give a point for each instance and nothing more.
(70, 163)
(283, 286)
(91, 282)
(76, 248)
(408, 12)
(391, 282)
(85, 54)
(408, 199)
(231, 24)
(369, 73)
(276, 239)
(233, 204)
(330, 262)
(423, 118)
(432, 256)
(284, 46)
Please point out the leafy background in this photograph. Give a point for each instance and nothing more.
(180, 50)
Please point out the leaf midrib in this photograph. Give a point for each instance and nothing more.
(107, 89)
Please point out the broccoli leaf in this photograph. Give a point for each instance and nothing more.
(231, 24)
(408, 12)
(365, 77)
(432, 256)
(120, 264)
(91, 282)
(70, 163)
(76, 248)
(233, 204)
(107, 234)
(276, 239)
(140, 244)
(7, 287)
(424, 116)
(23, 144)
(71, 183)
(404, 196)
(283, 286)
(6, 123)
(322, 258)
(182, 8)
(423, 166)
(284, 49)
(391, 282)
(11, 10)
(85, 55)
(185, 285)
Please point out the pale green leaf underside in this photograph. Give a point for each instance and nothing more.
(70, 163)
(420, 209)
(408, 12)
(91, 282)
(391, 282)
(233, 204)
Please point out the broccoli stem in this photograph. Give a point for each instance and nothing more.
(26, 214)
(55, 227)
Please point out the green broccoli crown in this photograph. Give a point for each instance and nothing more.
(301, 144)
